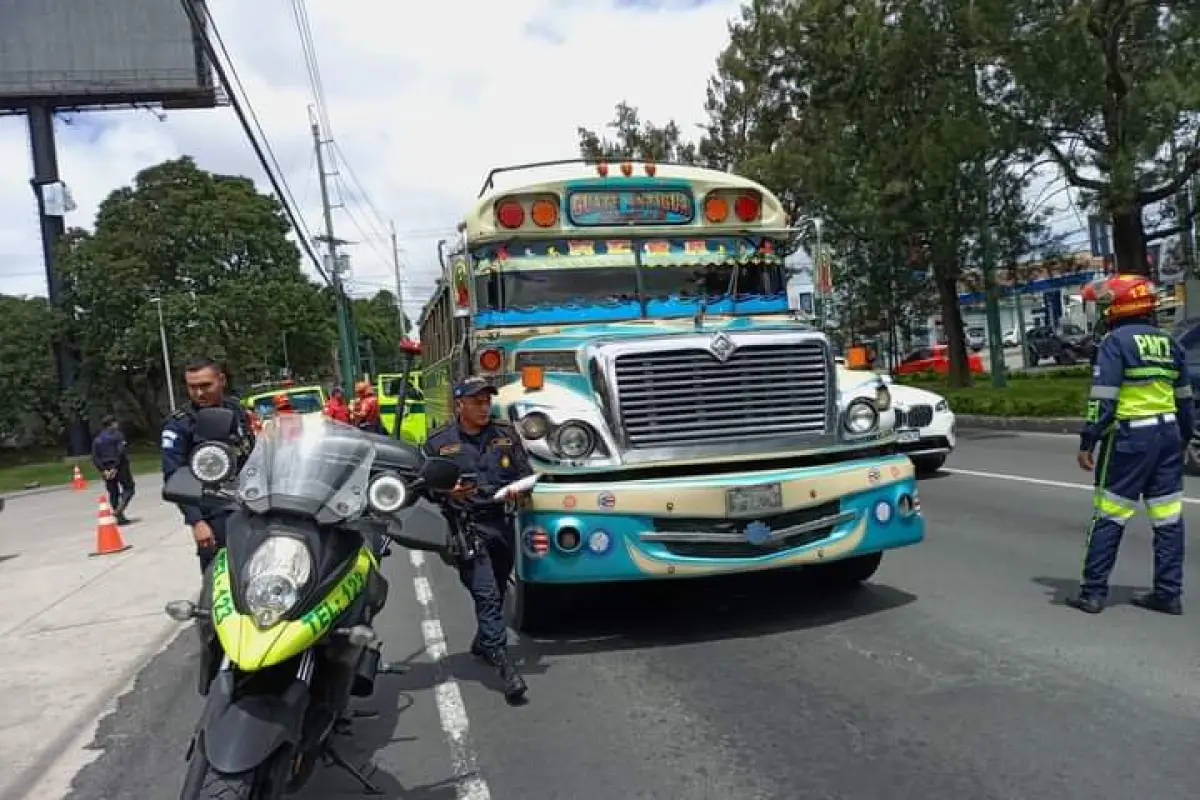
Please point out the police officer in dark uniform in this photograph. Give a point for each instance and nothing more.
(491, 451)
(206, 386)
(1140, 413)
(110, 455)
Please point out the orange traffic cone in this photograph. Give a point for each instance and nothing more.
(108, 535)
(78, 482)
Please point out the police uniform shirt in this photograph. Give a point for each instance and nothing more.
(495, 455)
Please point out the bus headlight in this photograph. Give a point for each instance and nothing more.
(860, 418)
(534, 425)
(573, 441)
(277, 572)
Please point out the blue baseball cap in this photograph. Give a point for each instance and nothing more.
(469, 387)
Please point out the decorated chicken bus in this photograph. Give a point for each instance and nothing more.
(634, 319)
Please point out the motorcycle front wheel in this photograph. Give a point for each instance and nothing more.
(265, 782)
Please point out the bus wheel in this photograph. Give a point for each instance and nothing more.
(534, 607)
(850, 572)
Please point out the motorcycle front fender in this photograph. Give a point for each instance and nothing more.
(240, 734)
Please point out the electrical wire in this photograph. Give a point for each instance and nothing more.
(206, 30)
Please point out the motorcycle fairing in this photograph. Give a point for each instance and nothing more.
(252, 648)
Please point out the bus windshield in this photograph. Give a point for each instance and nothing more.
(661, 286)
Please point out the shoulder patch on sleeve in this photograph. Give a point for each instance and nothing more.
(169, 438)
(450, 449)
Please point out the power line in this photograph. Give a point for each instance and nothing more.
(202, 25)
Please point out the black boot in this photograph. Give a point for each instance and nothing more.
(477, 649)
(1088, 605)
(1152, 601)
(514, 684)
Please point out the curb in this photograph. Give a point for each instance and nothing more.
(1064, 425)
(15, 493)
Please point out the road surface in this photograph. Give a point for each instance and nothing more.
(957, 675)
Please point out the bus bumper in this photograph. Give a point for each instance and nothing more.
(681, 528)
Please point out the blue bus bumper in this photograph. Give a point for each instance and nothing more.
(681, 528)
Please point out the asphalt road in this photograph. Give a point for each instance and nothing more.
(957, 675)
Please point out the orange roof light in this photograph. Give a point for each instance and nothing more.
(490, 360)
(544, 213)
(651, 169)
(533, 377)
(602, 169)
(626, 169)
(715, 208)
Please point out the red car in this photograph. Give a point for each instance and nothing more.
(934, 359)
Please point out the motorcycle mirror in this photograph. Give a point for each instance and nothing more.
(440, 474)
(213, 423)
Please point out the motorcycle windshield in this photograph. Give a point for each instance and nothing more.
(308, 465)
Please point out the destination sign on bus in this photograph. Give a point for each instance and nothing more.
(614, 207)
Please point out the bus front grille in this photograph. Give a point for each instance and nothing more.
(690, 397)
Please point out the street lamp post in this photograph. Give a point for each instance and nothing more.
(166, 352)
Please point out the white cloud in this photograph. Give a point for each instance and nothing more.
(422, 104)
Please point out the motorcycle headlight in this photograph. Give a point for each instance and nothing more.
(574, 440)
(861, 417)
(277, 572)
(387, 494)
(211, 463)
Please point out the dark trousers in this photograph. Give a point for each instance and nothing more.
(1138, 463)
(120, 488)
(207, 554)
(486, 578)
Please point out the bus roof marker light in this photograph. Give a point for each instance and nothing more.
(651, 169)
(533, 377)
(626, 169)
(715, 208)
(510, 214)
(544, 213)
(747, 208)
(602, 169)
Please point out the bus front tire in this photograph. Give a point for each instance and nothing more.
(534, 607)
(850, 573)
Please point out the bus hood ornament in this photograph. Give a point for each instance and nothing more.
(721, 346)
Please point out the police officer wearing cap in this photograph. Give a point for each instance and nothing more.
(206, 386)
(491, 451)
(1140, 413)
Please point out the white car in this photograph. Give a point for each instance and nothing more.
(926, 429)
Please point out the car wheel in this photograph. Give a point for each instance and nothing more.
(534, 607)
(928, 465)
(1033, 357)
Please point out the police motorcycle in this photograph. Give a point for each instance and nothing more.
(285, 611)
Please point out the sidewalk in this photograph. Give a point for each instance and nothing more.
(74, 629)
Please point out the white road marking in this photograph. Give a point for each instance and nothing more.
(451, 709)
(1037, 481)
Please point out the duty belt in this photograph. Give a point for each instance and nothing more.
(1149, 422)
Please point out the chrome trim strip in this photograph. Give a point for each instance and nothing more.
(701, 537)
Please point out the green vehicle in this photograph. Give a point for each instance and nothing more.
(305, 399)
(388, 388)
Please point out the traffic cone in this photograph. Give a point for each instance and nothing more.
(108, 534)
(78, 482)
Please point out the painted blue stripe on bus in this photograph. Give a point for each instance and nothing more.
(580, 314)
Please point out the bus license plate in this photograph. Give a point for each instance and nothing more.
(745, 501)
(908, 436)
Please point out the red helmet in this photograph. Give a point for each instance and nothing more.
(1123, 295)
(283, 402)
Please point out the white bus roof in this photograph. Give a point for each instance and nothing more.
(480, 223)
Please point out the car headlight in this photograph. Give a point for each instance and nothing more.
(277, 572)
(574, 440)
(861, 417)
(211, 463)
(534, 425)
(387, 494)
(883, 398)
(942, 405)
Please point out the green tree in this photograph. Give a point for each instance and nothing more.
(378, 320)
(635, 139)
(216, 253)
(1111, 90)
(28, 381)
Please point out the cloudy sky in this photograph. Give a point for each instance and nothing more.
(421, 106)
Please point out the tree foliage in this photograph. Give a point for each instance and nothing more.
(28, 381)
(633, 138)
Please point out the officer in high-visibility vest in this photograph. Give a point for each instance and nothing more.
(1140, 413)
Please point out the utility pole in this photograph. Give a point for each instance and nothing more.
(399, 283)
(346, 345)
(987, 261)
